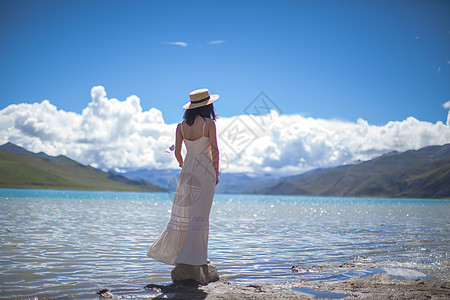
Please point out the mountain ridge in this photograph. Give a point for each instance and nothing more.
(422, 173)
(20, 168)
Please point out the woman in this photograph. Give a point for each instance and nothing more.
(185, 239)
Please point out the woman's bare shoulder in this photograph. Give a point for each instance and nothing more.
(210, 122)
(179, 127)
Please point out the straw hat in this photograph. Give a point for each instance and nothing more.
(200, 98)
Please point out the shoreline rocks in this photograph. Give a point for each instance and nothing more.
(378, 286)
(191, 282)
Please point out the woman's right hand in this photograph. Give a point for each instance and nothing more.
(217, 179)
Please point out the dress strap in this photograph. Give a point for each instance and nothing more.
(182, 133)
(204, 127)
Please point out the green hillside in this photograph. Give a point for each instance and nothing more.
(424, 173)
(22, 169)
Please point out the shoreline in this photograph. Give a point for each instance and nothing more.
(377, 285)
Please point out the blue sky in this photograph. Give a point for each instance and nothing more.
(378, 60)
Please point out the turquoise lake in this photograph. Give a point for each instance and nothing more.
(59, 244)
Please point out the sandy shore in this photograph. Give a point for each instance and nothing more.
(377, 286)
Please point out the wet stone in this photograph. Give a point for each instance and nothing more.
(203, 274)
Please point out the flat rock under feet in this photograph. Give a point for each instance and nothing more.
(203, 274)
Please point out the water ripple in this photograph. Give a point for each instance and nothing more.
(56, 244)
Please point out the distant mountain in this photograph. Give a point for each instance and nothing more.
(241, 183)
(14, 149)
(423, 173)
(166, 178)
(20, 168)
(229, 183)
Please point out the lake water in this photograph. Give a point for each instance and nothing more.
(59, 244)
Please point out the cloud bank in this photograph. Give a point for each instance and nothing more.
(113, 134)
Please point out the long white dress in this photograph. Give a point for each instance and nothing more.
(185, 239)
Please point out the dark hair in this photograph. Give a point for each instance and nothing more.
(206, 111)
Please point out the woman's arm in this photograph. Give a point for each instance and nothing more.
(214, 148)
(178, 142)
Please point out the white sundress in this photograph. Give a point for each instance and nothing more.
(185, 239)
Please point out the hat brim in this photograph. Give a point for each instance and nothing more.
(212, 98)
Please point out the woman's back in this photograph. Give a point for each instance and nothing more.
(196, 131)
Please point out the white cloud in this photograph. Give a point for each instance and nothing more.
(447, 106)
(108, 133)
(292, 144)
(182, 44)
(216, 42)
(113, 134)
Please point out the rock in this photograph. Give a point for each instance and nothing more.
(203, 274)
(106, 293)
